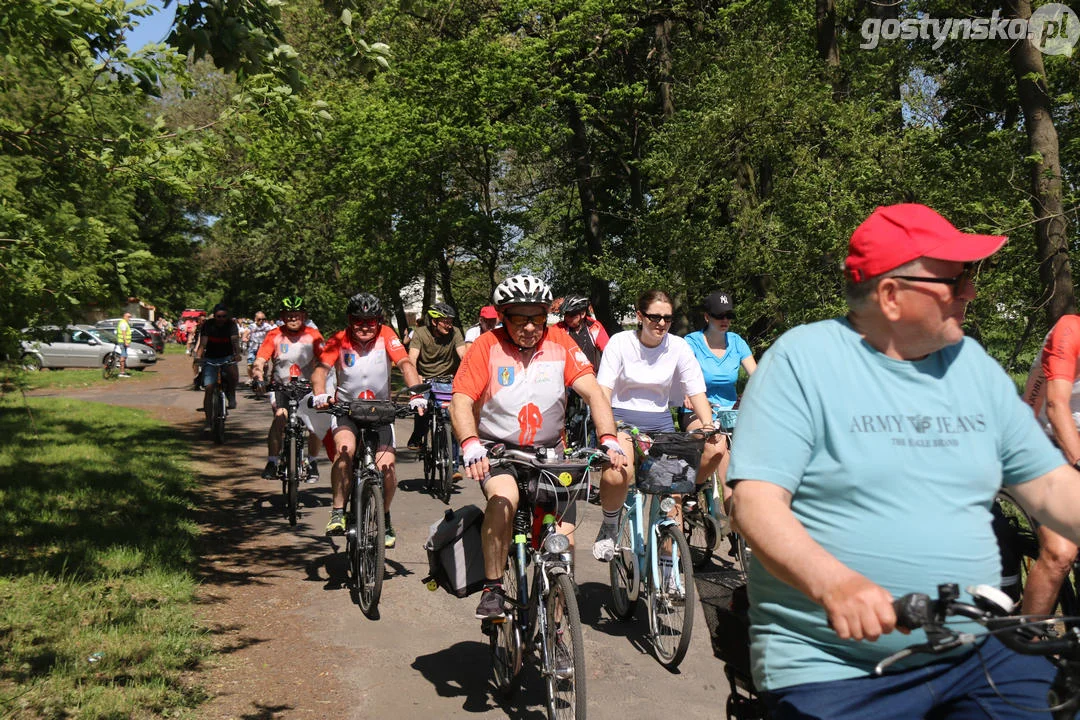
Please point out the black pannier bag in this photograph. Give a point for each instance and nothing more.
(455, 553)
(670, 464)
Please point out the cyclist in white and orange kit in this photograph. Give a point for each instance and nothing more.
(511, 388)
(292, 350)
(362, 356)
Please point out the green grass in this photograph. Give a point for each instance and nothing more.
(72, 378)
(96, 564)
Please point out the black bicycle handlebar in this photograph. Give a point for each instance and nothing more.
(547, 458)
(990, 608)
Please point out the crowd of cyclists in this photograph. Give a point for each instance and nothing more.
(826, 478)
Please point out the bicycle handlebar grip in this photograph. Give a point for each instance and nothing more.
(913, 610)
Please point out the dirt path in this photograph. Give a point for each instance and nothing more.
(290, 642)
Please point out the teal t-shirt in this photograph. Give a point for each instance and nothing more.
(893, 466)
(721, 373)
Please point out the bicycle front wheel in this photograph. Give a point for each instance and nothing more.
(108, 370)
(701, 533)
(671, 600)
(218, 415)
(506, 641)
(370, 546)
(623, 571)
(292, 478)
(444, 459)
(565, 652)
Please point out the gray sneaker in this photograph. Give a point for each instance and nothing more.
(604, 547)
(491, 605)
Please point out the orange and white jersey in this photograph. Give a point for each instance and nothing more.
(292, 355)
(521, 404)
(363, 371)
(1057, 361)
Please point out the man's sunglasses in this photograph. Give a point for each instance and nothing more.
(723, 316)
(364, 322)
(522, 320)
(219, 316)
(657, 317)
(957, 283)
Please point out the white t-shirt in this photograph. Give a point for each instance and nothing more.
(472, 333)
(647, 379)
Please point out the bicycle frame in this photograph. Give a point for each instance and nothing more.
(646, 550)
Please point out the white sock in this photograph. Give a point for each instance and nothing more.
(612, 517)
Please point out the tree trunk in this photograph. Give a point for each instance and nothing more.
(1051, 231)
(599, 290)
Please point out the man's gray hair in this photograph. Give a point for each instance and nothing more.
(858, 294)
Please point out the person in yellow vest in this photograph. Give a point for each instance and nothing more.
(123, 338)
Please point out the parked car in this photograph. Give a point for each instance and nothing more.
(77, 346)
(148, 334)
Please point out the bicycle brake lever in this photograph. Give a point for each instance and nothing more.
(930, 648)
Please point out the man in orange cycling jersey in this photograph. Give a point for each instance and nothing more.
(1053, 392)
(361, 355)
(511, 389)
(292, 350)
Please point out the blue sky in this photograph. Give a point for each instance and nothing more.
(154, 28)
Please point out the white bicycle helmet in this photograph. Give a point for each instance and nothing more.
(522, 290)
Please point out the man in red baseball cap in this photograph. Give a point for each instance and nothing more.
(489, 318)
(867, 455)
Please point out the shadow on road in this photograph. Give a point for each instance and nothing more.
(464, 670)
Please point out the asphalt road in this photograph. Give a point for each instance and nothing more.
(300, 647)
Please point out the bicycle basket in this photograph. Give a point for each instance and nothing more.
(671, 464)
(725, 419)
(372, 413)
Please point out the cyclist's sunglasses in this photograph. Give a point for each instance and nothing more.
(517, 320)
(363, 322)
(221, 316)
(957, 283)
(723, 316)
(657, 317)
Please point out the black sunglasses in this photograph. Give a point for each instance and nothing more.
(957, 283)
(657, 317)
(220, 317)
(723, 316)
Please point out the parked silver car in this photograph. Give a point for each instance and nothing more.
(142, 332)
(77, 346)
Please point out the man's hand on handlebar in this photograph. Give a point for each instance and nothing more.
(616, 456)
(419, 404)
(321, 400)
(858, 608)
(474, 455)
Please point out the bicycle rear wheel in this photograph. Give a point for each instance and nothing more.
(444, 459)
(218, 416)
(566, 652)
(671, 601)
(293, 469)
(370, 546)
(623, 570)
(505, 639)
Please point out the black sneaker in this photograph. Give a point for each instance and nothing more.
(312, 471)
(270, 471)
(491, 604)
(232, 401)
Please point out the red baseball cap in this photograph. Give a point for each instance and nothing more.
(897, 234)
(488, 312)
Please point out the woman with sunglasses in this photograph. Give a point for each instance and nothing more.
(640, 372)
(721, 353)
